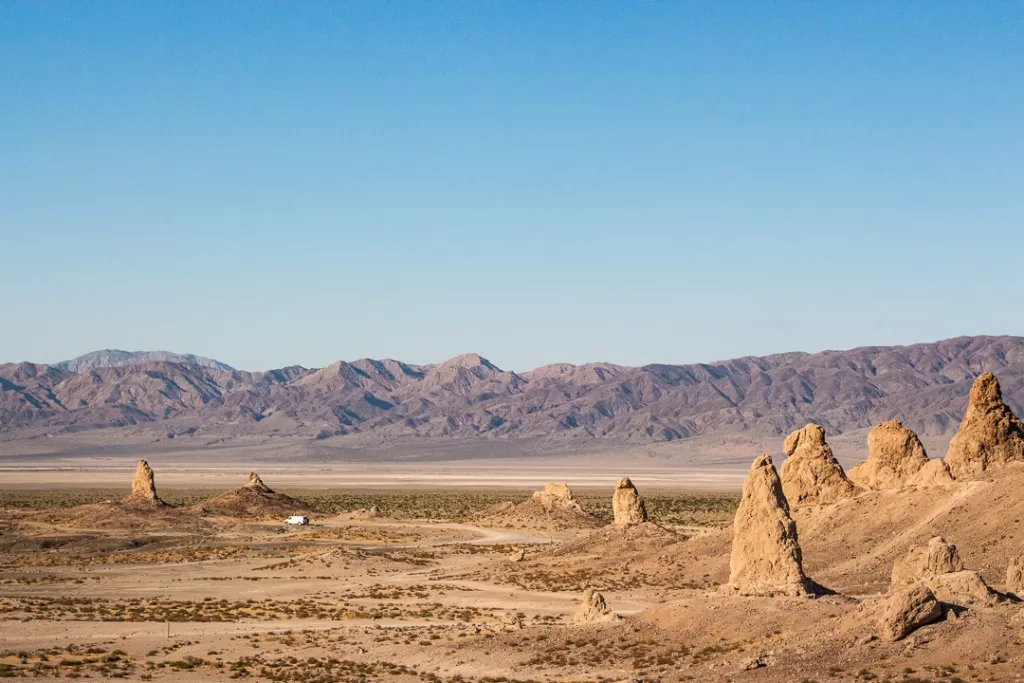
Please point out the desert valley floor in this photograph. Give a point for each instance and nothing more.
(455, 585)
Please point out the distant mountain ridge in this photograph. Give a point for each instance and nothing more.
(468, 397)
(106, 358)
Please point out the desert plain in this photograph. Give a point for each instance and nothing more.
(903, 568)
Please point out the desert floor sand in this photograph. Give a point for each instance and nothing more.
(423, 588)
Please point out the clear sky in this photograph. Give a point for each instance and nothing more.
(288, 182)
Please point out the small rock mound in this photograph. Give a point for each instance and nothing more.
(938, 557)
(593, 610)
(556, 496)
(627, 504)
(908, 609)
(254, 499)
(938, 566)
(553, 509)
(895, 455)
(1015, 576)
(934, 473)
(811, 474)
(766, 557)
(989, 436)
(143, 487)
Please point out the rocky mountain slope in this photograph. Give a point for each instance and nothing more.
(924, 385)
(115, 357)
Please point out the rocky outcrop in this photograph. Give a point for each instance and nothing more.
(934, 473)
(627, 504)
(990, 435)
(556, 496)
(256, 484)
(1015, 576)
(811, 474)
(766, 558)
(962, 588)
(895, 456)
(593, 610)
(906, 610)
(143, 487)
(938, 557)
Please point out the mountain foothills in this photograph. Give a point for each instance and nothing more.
(168, 395)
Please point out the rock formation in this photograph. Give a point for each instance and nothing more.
(908, 609)
(895, 455)
(811, 474)
(143, 486)
(1015, 576)
(938, 557)
(962, 588)
(256, 484)
(627, 504)
(766, 556)
(593, 610)
(934, 473)
(990, 435)
(556, 496)
(938, 566)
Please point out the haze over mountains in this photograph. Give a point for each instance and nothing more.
(167, 396)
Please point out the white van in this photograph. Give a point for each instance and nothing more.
(297, 519)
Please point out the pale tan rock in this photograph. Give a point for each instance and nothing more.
(519, 555)
(938, 557)
(895, 455)
(811, 474)
(257, 484)
(1015, 576)
(593, 610)
(934, 473)
(766, 556)
(557, 496)
(906, 610)
(962, 588)
(990, 435)
(627, 504)
(143, 487)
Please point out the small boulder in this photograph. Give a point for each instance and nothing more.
(627, 504)
(938, 557)
(1015, 576)
(895, 455)
(811, 474)
(593, 610)
(518, 555)
(990, 435)
(907, 610)
(962, 588)
(766, 558)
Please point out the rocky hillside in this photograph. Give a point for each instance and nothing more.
(924, 385)
(114, 357)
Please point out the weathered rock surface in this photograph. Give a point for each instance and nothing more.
(766, 556)
(938, 557)
(593, 610)
(990, 435)
(1015, 576)
(906, 610)
(934, 473)
(811, 474)
(895, 455)
(962, 588)
(627, 504)
(256, 484)
(143, 487)
(556, 496)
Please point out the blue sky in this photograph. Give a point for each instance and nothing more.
(279, 183)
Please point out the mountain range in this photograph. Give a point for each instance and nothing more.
(160, 395)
